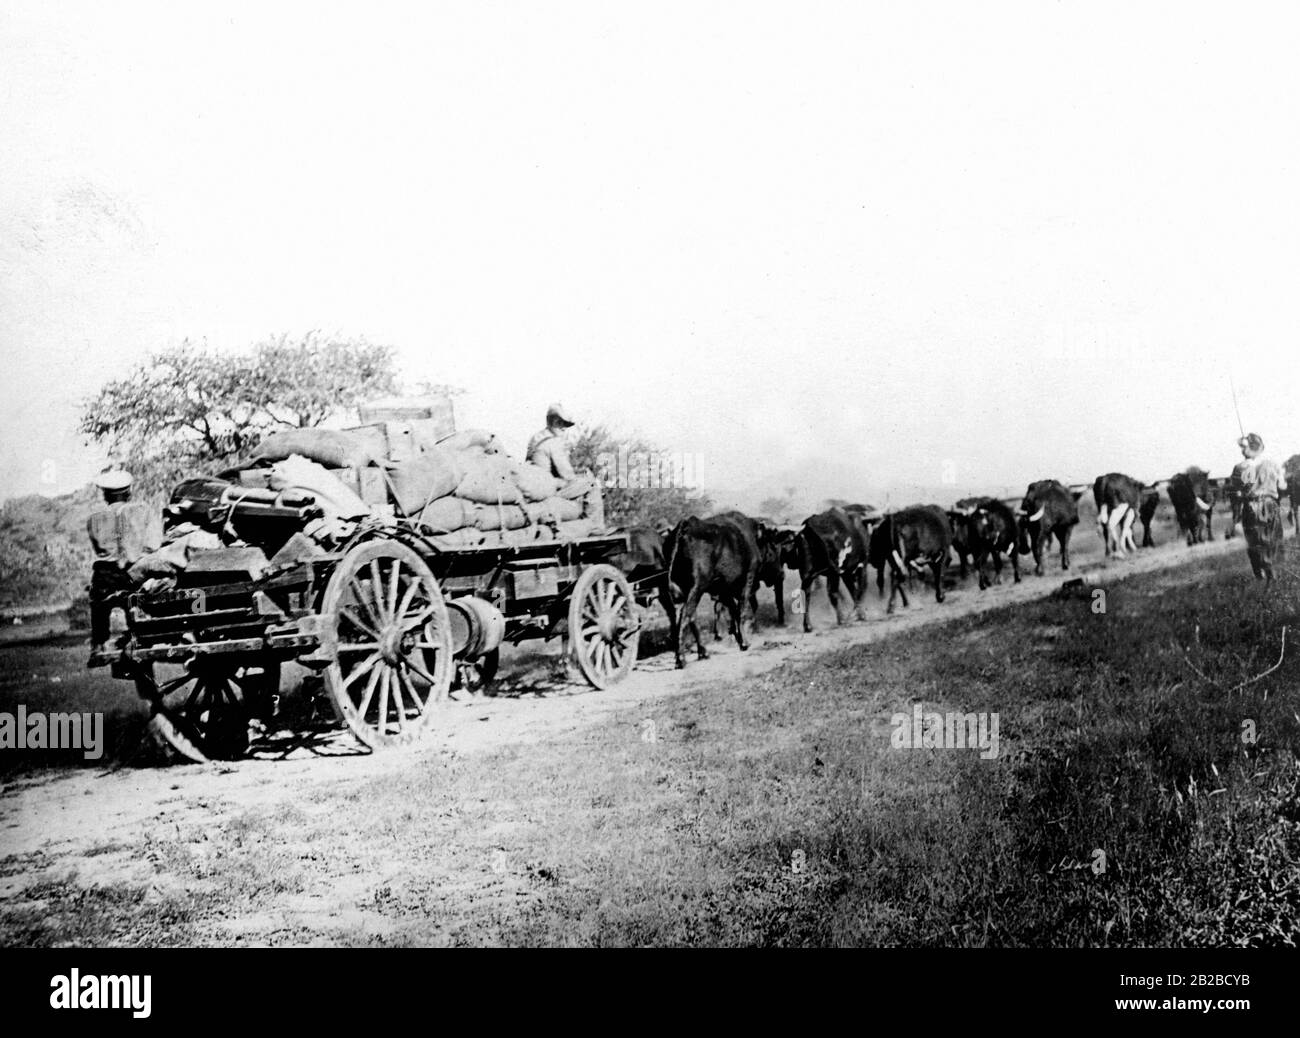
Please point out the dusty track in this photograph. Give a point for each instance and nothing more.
(72, 820)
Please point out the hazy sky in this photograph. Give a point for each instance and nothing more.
(864, 240)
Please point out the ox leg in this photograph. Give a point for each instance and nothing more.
(1119, 528)
(897, 582)
(880, 580)
(1064, 537)
(686, 622)
(981, 558)
(670, 609)
(750, 596)
(1015, 563)
(718, 607)
(806, 584)
(1103, 527)
(1040, 544)
(937, 568)
(735, 603)
(833, 592)
(1130, 521)
(779, 587)
(860, 590)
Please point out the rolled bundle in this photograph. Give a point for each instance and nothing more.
(447, 514)
(554, 510)
(331, 494)
(494, 517)
(490, 480)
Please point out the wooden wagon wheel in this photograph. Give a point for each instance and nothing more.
(204, 713)
(603, 625)
(394, 661)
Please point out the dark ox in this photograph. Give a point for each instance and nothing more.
(917, 534)
(1291, 468)
(1049, 509)
(1118, 498)
(713, 557)
(832, 544)
(1147, 512)
(1192, 496)
(645, 564)
(774, 548)
(984, 527)
(917, 565)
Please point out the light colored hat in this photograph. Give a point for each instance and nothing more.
(113, 479)
(1252, 440)
(558, 411)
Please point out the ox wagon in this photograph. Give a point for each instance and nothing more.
(389, 620)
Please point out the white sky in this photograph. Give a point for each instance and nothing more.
(1032, 239)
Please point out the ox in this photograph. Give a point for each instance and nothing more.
(714, 557)
(1118, 498)
(1049, 508)
(917, 534)
(987, 528)
(645, 563)
(774, 549)
(1291, 469)
(1192, 496)
(832, 544)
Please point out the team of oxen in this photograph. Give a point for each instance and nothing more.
(729, 555)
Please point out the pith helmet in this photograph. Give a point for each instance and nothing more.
(557, 412)
(1252, 440)
(113, 479)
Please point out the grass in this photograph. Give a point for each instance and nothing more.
(775, 811)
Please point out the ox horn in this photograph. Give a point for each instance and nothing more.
(1202, 505)
(1037, 515)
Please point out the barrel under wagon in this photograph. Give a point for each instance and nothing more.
(389, 612)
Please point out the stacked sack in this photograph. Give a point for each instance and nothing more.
(493, 496)
(464, 489)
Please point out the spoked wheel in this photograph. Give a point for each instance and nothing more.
(473, 676)
(394, 660)
(203, 713)
(603, 625)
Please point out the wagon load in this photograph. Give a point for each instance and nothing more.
(460, 488)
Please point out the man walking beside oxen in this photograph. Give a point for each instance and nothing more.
(1256, 485)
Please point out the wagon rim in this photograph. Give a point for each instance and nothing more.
(604, 625)
(394, 651)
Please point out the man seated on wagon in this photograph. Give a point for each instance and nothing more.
(549, 451)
